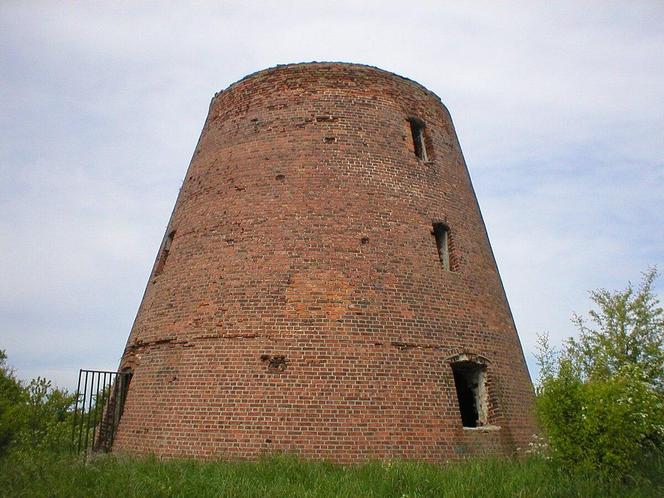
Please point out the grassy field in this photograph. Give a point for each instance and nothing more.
(285, 476)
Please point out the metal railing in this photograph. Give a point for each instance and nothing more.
(100, 399)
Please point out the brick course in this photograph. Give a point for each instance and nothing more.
(302, 305)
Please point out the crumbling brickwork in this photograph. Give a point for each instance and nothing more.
(300, 303)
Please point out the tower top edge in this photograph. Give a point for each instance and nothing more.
(328, 64)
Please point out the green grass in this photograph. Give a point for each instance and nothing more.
(27, 475)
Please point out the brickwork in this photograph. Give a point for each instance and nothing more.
(299, 304)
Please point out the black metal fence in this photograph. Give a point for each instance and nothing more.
(100, 399)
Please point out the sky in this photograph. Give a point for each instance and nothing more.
(558, 108)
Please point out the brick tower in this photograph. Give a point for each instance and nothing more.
(325, 285)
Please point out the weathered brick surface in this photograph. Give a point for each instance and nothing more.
(302, 306)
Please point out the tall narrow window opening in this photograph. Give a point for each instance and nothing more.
(442, 234)
(470, 382)
(419, 143)
(123, 389)
(163, 255)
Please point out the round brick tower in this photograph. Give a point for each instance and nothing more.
(325, 285)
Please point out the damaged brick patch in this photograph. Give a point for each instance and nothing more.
(275, 364)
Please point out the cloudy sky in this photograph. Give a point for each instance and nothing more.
(559, 107)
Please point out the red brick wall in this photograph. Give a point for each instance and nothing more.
(302, 306)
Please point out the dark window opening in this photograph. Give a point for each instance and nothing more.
(124, 389)
(419, 142)
(442, 234)
(115, 407)
(164, 253)
(470, 382)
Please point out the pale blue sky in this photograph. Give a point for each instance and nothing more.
(558, 107)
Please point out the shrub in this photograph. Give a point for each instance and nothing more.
(47, 417)
(600, 400)
(34, 417)
(606, 426)
(12, 395)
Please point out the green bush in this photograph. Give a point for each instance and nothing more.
(47, 417)
(12, 396)
(607, 426)
(35, 417)
(600, 400)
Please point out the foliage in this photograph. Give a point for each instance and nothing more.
(12, 396)
(35, 417)
(47, 418)
(600, 399)
(626, 329)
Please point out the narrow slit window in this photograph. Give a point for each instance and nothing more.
(470, 383)
(442, 234)
(419, 142)
(163, 255)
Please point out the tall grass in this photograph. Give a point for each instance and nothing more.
(22, 475)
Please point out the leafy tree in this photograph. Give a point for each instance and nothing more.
(32, 417)
(47, 416)
(11, 397)
(601, 399)
(627, 328)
